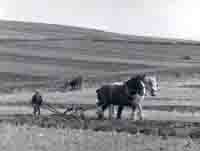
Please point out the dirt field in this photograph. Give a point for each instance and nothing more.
(44, 56)
(34, 138)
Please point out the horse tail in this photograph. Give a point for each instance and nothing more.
(99, 97)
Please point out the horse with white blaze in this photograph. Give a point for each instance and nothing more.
(129, 93)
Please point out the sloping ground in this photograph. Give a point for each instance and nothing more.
(43, 56)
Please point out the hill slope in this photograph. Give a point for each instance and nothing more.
(35, 55)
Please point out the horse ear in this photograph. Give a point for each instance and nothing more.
(144, 75)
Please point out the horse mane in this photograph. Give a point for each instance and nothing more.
(135, 79)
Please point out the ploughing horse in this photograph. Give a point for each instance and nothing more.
(129, 93)
(75, 83)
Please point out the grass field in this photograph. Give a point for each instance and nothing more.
(43, 56)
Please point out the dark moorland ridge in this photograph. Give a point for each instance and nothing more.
(44, 55)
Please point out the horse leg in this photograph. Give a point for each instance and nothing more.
(133, 113)
(34, 110)
(104, 107)
(119, 111)
(111, 111)
(38, 109)
(137, 103)
(72, 86)
(101, 110)
(80, 85)
(140, 112)
(99, 113)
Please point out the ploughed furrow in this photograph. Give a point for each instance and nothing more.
(148, 127)
(156, 107)
(162, 123)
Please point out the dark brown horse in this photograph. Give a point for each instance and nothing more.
(75, 83)
(129, 93)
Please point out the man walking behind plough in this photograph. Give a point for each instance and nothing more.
(36, 102)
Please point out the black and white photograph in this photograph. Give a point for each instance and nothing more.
(100, 75)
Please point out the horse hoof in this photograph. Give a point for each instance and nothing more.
(99, 116)
(132, 119)
(118, 118)
(141, 118)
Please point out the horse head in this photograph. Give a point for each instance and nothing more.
(151, 84)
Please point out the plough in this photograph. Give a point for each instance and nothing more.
(51, 108)
(73, 110)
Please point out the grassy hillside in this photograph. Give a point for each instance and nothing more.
(36, 55)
